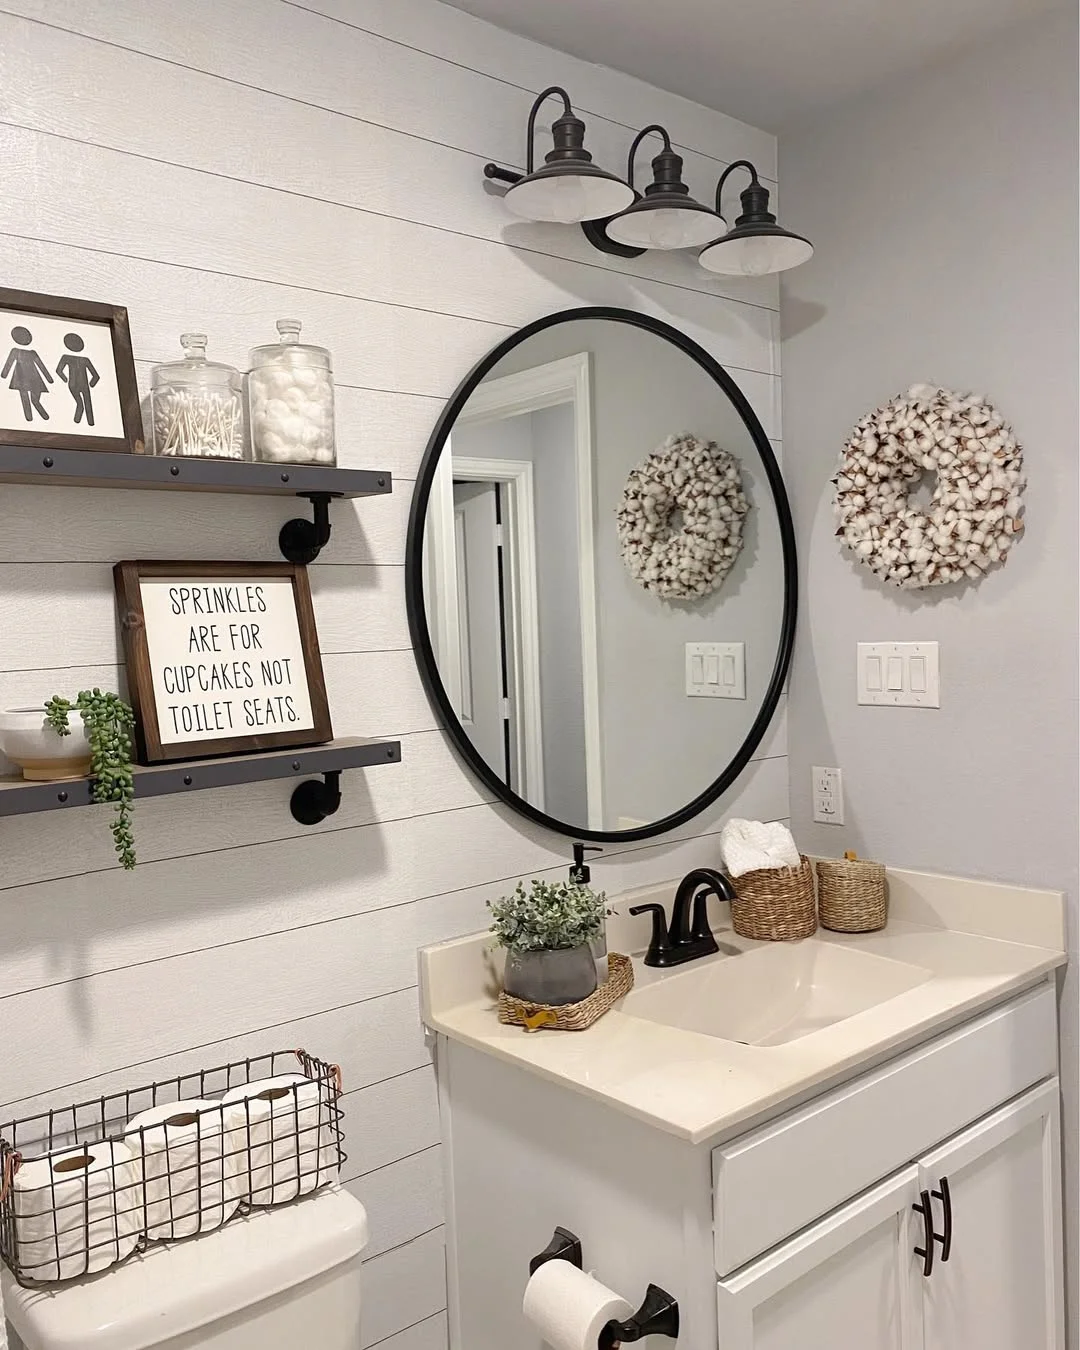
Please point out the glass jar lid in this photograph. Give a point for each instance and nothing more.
(289, 349)
(195, 369)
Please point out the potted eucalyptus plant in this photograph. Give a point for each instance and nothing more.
(547, 931)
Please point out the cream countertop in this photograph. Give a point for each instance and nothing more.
(980, 941)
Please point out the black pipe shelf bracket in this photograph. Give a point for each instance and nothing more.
(313, 801)
(301, 541)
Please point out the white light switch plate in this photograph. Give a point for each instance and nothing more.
(828, 786)
(715, 670)
(899, 674)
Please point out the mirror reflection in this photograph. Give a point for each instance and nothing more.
(603, 577)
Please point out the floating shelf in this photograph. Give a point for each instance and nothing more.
(98, 469)
(18, 797)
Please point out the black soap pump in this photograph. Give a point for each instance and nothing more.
(581, 875)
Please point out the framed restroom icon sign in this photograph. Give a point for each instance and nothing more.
(222, 658)
(67, 377)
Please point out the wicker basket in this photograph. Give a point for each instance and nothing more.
(571, 1016)
(775, 904)
(851, 895)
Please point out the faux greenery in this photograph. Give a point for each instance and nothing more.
(549, 916)
(109, 724)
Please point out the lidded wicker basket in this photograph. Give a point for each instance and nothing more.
(852, 894)
(775, 904)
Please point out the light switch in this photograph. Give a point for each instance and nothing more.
(715, 670)
(899, 674)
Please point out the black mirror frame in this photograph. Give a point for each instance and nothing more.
(414, 577)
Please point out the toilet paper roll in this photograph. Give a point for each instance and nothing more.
(293, 1150)
(570, 1308)
(190, 1171)
(76, 1211)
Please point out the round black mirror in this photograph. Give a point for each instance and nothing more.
(600, 575)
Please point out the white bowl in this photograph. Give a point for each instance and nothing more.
(43, 754)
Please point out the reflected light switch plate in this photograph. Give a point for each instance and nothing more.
(715, 670)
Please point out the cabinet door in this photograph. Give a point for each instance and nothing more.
(1001, 1287)
(849, 1281)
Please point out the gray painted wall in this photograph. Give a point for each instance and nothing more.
(930, 267)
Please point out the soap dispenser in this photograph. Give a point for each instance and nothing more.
(581, 875)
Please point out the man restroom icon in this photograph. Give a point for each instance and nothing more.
(80, 376)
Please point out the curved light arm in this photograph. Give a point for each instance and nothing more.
(531, 131)
(645, 131)
(736, 164)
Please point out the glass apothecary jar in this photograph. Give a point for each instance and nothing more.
(196, 405)
(291, 400)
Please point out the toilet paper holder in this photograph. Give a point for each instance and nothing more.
(657, 1316)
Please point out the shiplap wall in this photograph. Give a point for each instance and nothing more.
(217, 165)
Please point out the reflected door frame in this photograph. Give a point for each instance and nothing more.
(567, 380)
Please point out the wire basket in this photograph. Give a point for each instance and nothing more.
(86, 1186)
(852, 895)
(775, 904)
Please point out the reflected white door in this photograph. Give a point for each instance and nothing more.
(1000, 1289)
(480, 621)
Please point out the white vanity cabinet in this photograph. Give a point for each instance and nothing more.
(799, 1233)
(856, 1278)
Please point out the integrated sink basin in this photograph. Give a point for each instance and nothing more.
(775, 994)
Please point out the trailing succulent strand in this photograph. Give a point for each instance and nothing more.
(109, 723)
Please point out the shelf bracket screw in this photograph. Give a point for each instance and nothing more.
(301, 541)
(313, 801)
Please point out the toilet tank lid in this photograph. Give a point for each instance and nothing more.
(176, 1287)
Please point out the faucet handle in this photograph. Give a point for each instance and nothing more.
(660, 944)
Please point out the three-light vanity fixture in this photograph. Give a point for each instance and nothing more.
(616, 218)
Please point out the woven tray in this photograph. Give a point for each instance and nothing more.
(571, 1016)
(852, 895)
(775, 904)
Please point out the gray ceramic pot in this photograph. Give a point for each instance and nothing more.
(551, 977)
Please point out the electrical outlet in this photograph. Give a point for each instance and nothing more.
(828, 786)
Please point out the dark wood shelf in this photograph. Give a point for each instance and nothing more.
(18, 797)
(99, 469)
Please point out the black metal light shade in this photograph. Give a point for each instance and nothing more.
(666, 216)
(756, 244)
(568, 187)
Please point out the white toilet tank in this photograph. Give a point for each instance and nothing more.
(274, 1279)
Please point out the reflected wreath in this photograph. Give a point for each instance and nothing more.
(975, 515)
(699, 480)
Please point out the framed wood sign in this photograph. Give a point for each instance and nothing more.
(67, 378)
(222, 658)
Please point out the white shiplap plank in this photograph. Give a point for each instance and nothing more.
(390, 1120)
(360, 164)
(402, 1200)
(379, 347)
(63, 614)
(404, 1285)
(450, 33)
(103, 920)
(430, 1334)
(275, 236)
(377, 1039)
(77, 843)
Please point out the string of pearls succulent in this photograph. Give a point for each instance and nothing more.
(975, 515)
(698, 479)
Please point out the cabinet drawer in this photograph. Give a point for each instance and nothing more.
(769, 1184)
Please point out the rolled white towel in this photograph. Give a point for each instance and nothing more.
(755, 846)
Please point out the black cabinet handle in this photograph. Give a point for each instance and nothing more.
(926, 1251)
(945, 1196)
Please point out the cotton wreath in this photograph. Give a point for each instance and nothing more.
(975, 515)
(702, 482)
